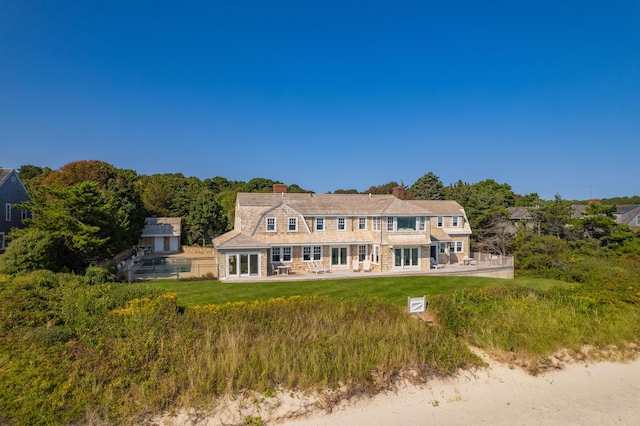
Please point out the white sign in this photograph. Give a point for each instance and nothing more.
(417, 305)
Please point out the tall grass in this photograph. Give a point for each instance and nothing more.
(71, 352)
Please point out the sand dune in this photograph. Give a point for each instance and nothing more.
(580, 394)
(602, 393)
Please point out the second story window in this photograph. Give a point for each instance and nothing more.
(7, 214)
(271, 224)
(390, 224)
(376, 224)
(319, 223)
(25, 214)
(406, 224)
(293, 224)
(440, 221)
(342, 224)
(455, 222)
(422, 223)
(362, 223)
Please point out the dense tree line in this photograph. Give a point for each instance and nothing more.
(88, 211)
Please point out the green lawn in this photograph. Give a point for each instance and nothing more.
(394, 289)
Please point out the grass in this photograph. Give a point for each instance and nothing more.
(73, 352)
(394, 290)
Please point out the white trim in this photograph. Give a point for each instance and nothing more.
(239, 273)
(275, 224)
(403, 265)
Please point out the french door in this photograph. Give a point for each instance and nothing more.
(243, 265)
(406, 258)
(339, 256)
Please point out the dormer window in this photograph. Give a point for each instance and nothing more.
(454, 221)
(293, 224)
(440, 221)
(271, 224)
(319, 223)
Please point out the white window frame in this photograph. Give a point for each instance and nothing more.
(390, 224)
(375, 254)
(407, 218)
(442, 248)
(320, 224)
(287, 254)
(440, 221)
(280, 254)
(7, 212)
(362, 224)
(422, 223)
(362, 252)
(341, 224)
(311, 253)
(292, 224)
(376, 224)
(455, 247)
(273, 224)
(455, 222)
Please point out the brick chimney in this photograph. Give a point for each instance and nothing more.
(398, 192)
(279, 188)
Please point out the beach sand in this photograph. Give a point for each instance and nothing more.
(581, 393)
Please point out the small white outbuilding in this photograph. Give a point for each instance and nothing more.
(161, 234)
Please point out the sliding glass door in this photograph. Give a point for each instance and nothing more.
(406, 258)
(243, 265)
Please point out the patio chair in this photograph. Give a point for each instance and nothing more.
(366, 266)
(356, 266)
(435, 264)
(320, 267)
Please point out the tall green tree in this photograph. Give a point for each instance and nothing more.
(553, 218)
(386, 188)
(78, 220)
(598, 221)
(205, 218)
(428, 187)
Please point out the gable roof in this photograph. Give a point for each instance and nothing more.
(348, 204)
(161, 227)
(4, 174)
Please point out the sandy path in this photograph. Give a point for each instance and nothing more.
(581, 394)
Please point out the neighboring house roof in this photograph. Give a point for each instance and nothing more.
(4, 174)
(11, 176)
(161, 227)
(519, 213)
(628, 214)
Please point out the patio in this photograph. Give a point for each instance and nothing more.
(482, 266)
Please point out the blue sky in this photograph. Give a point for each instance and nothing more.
(544, 96)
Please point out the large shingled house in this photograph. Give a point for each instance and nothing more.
(387, 232)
